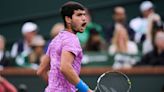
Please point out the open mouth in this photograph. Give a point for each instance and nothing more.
(84, 24)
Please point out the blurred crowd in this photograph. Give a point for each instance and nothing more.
(139, 42)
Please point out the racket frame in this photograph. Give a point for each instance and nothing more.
(102, 75)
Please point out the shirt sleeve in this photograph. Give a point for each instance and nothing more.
(72, 45)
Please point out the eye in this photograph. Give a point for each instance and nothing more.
(79, 14)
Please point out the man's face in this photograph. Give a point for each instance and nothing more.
(79, 20)
(146, 13)
(119, 15)
(29, 36)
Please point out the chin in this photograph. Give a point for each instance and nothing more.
(81, 31)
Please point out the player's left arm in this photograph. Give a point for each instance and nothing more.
(66, 68)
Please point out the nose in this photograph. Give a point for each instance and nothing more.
(83, 17)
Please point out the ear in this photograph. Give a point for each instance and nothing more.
(67, 19)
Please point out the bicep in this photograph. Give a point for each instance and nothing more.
(67, 57)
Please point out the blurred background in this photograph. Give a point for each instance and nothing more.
(122, 35)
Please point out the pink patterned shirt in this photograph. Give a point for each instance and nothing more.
(63, 41)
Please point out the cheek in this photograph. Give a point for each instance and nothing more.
(76, 24)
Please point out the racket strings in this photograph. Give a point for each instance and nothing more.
(113, 82)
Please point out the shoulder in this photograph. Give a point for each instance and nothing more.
(135, 22)
(137, 19)
(69, 37)
(70, 42)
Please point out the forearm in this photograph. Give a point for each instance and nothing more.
(73, 78)
(44, 76)
(44, 65)
(70, 74)
(42, 70)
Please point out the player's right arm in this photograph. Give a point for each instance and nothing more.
(44, 67)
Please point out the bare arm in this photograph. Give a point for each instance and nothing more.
(7, 85)
(152, 18)
(44, 67)
(67, 69)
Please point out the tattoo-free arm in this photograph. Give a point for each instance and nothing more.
(44, 67)
(66, 68)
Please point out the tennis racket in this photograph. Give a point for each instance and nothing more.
(113, 82)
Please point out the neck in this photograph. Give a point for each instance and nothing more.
(69, 29)
(121, 22)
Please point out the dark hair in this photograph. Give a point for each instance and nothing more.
(68, 9)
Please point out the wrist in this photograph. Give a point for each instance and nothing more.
(82, 86)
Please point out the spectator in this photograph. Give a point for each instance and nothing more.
(140, 24)
(119, 16)
(153, 26)
(95, 42)
(29, 30)
(37, 45)
(83, 37)
(54, 31)
(122, 48)
(4, 56)
(121, 42)
(156, 56)
(6, 86)
(32, 59)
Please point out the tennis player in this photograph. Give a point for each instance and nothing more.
(65, 53)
